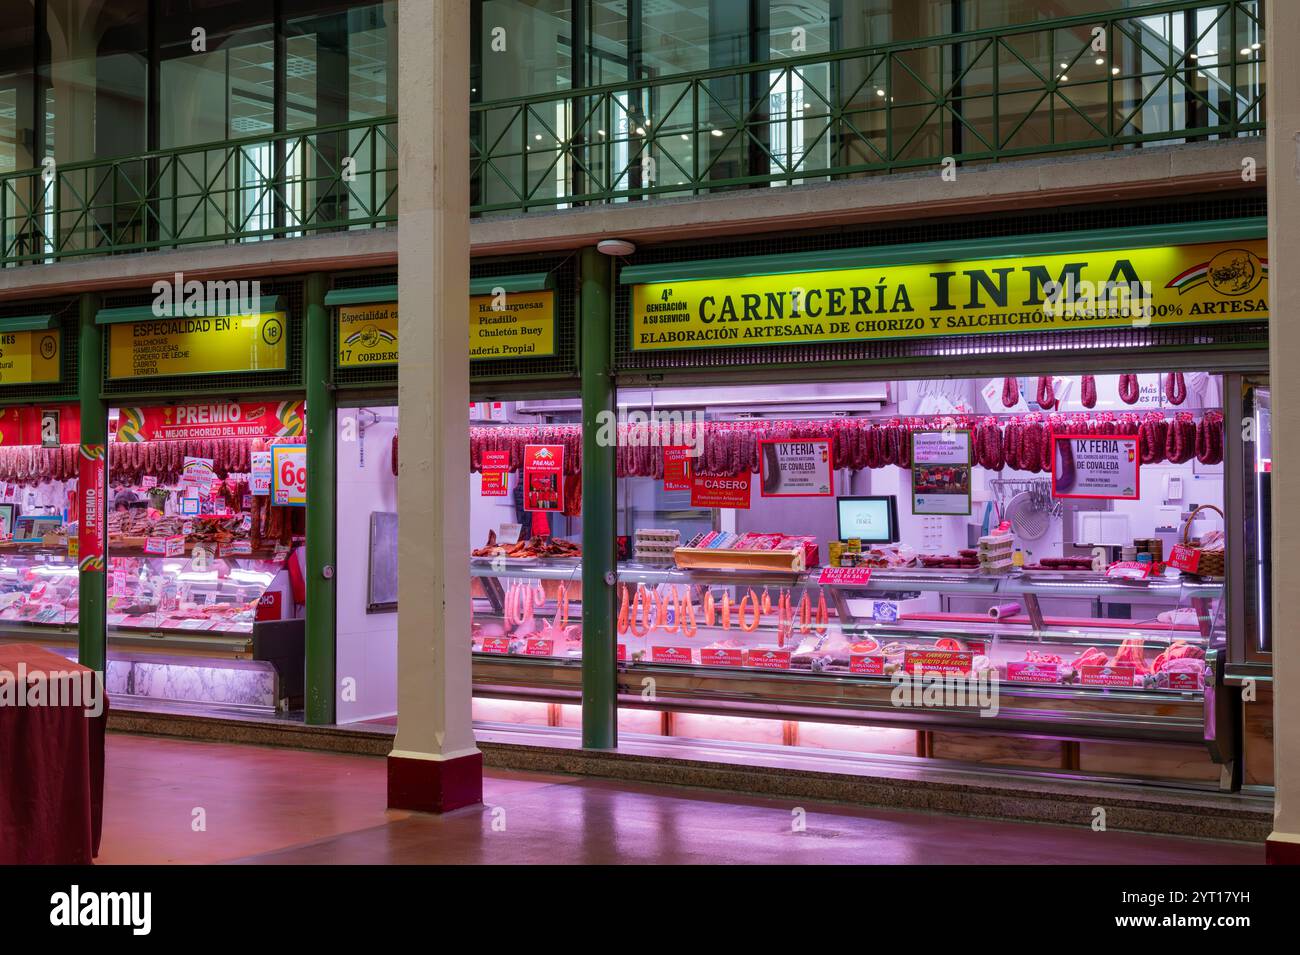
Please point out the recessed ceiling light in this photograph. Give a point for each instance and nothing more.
(717, 132)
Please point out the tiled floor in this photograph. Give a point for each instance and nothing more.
(285, 806)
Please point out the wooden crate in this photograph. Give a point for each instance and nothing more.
(721, 558)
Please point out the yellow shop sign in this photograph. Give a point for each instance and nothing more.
(1224, 281)
(197, 346)
(28, 358)
(513, 325)
(367, 335)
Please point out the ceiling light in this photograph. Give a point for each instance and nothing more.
(1114, 71)
(1100, 61)
(880, 92)
(717, 132)
(615, 247)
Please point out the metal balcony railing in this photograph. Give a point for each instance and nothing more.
(1155, 74)
(324, 179)
(1151, 75)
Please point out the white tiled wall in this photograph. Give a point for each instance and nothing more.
(366, 642)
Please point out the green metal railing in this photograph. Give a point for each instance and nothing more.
(1156, 74)
(303, 182)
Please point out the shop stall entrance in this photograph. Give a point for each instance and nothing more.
(522, 535)
(39, 435)
(1013, 547)
(202, 552)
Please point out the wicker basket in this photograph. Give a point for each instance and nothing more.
(1209, 563)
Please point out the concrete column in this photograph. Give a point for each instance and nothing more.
(435, 765)
(1283, 105)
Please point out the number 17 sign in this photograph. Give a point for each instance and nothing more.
(289, 474)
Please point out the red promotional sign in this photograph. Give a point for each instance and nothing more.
(270, 606)
(768, 659)
(677, 468)
(496, 465)
(722, 657)
(1185, 558)
(670, 655)
(622, 653)
(947, 662)
(22, 424)
(91, 507)
(536, 647)
(845, 575)
(709, 491)
(227, 419)
(543, 477)
(1106, 676)
(495, 645)
(1023, 671)
(867, 664)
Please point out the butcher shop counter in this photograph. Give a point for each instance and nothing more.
(1057, 675)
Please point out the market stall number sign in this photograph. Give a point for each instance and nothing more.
(367, 336)
(197, 346)
(29, 358)
(289, 474)
(1170, 285)
(1095, 466)
(512, 325)
(543, 477)
(941, 472)
(796, 468)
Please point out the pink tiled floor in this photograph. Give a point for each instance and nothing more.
(275, 805)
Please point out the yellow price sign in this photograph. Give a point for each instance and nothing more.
(197, 346)
(28, 358)
(1169, 285)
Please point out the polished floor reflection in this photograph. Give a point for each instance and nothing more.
(194, 802)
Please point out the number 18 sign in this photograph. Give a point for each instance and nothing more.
(289, 474)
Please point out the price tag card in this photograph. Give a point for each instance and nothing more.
(175, 546)
(867, 664)
(670, 655)
(947, 662)
(621, 653)
(536, 647)
(1023, 671)
(722, 657)
(768, 659)
(845, 575)
(495, 645)
(1184, 681)
(1106, 676)
(155, 545)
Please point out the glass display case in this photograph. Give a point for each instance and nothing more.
(527, 607)
(186, 593)
(38, 586)
(1071, 629)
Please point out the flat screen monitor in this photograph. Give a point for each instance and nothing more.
(871, 520)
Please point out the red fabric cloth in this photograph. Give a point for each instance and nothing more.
(51, 769)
